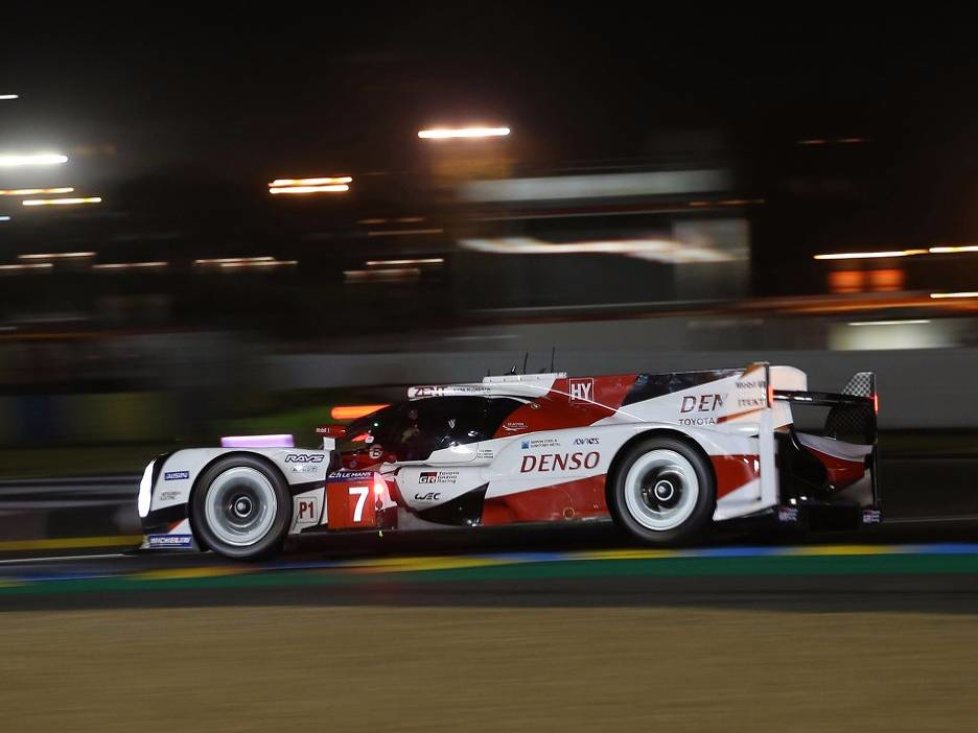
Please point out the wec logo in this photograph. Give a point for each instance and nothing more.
(303, 458)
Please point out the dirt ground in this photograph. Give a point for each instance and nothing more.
(461, 669)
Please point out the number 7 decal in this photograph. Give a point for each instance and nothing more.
(361, 492)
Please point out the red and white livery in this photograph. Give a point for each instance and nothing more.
(664, 455)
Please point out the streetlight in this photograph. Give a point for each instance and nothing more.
(454, 133)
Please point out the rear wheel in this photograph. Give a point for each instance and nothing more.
(241, 508)
(663, 491)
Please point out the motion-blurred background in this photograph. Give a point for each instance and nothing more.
(217, 222)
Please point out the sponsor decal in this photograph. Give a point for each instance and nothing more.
(375, 452)
(547, 462)
(169, 495)
(872, 516)
(702, 403)
(176, 475)
(788, 514)
(304, 458)
(752, 384)
(697, 421)
(170, 540)
(581, 390)
(306, 468)
(540, 443)
(350, 475)
(430, 496)
(586, 441)
(438, 477)
(440, 390)
(485, 453)
(708, 403)
(515, 427)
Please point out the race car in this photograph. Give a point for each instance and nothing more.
(663, 455)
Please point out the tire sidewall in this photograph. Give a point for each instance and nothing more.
(273, 539)
(702, 513)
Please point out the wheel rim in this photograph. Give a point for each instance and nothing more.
(240, 506)
(661, 490)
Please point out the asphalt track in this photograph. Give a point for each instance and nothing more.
(80, 556)
(923, 567)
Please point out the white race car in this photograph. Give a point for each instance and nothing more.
(664, 455)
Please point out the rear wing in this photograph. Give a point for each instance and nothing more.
(852, 417)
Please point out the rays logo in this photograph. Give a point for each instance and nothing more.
(304, 458)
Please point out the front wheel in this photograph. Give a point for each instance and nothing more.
(241, 508)
(663, 491)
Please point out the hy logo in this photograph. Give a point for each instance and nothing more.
(581, 390)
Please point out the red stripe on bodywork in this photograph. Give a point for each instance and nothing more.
(734, 471)
(560, 409)
(579, 499)
(842, 471)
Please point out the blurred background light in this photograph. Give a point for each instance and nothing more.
(954, 250)
(596, 185)
(330, 188)
(332, 180)
(418, 261)
(114, 266)
(378, 274)
(13, 160)
(21, 268)
(447, 133)
(34, 191)
(225, 260)
(262, 264)
(909, 321)
(353, 412)
(73, 201)
(322, 184)
(659, 250)
(403, 232)
(961, 294)
(57, 256)
(7, 97)
(871, 255)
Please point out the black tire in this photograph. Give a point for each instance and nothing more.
(267, 541)
(636, 500)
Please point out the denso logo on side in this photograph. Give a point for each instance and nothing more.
(559, 462)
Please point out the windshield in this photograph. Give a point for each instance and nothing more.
(412, 430)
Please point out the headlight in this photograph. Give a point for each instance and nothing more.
(145, 491)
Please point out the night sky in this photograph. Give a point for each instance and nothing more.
(262, 89)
